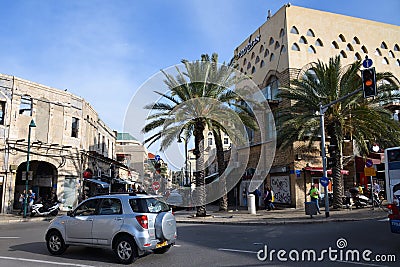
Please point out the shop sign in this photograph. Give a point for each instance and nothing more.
(249, 46)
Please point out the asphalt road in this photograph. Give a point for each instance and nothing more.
(223, 245)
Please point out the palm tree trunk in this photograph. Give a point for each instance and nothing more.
(223, 201)
(200, 180)
(336, 174)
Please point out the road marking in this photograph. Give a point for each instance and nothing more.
(384, 220)
(9, 237)
(47, 262)
(177, 246)
(237, 250)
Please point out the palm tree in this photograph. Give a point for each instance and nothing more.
(195, 99)
(364, 120)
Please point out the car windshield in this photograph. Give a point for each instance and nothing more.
(148, 205)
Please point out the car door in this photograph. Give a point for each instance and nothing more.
(79, 226)
(108, 221)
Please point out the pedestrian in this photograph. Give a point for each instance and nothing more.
(314, 195)
(244, 196)
(31, 199)
(268, 199)
(257, 195)
(21, 201)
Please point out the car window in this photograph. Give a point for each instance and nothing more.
(148, 205)
(87, 208)
(109, 206)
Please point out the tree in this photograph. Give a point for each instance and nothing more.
(363, 120)
(199, 97)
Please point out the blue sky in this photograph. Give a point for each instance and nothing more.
(104, 50)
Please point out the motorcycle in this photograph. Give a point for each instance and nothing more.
(359, 201)
(45, 208)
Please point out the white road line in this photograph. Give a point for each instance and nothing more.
(237, 250)
(47, 262)
(9, 237)
(384, 220)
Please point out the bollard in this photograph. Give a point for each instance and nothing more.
(251, 203)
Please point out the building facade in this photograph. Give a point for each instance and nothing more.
(68, 139)
(280, 50)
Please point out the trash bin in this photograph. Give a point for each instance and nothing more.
(311, 208)
(251, 203)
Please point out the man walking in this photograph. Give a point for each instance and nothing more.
(314, 195)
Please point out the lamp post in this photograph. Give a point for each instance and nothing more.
(186, 158)
(32, 124)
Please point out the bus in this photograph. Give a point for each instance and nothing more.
(392, 177)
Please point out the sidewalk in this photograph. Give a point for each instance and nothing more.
(242, 216)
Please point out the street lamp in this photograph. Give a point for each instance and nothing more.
(186, 158)
(32, 124)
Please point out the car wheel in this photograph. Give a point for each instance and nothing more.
(162, 250)
(55, 243)
(125, 250)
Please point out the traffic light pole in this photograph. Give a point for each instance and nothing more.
(322, 110)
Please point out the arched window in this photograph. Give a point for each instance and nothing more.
(311, 50)
(271, 41)
(266, 53)
(357, 56)
(294, 30)
(25, 107)
(391, 54)
(378, 52)
(341, 38)
(248, 65)
(272, 57)
(261, 49)
(334, 45)
(241, 70)
(252, 55)
(349, 47)
(398, 62)
(244, 61)
(364, 49)
(272, 88)
(295, 47)
(355, 40)
(396, 47)
(343, 54)
(310, 33)
(257, 59)
(262, 64)
(383, 45)
(385, 61)
(281, 33)
(283, 49)
(318, 42)
(277, 45)
(253, 69)
(303, 40)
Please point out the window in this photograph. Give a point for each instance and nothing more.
(364, 49)
(383, 45)
(262, 64)
(272, 57)
(261, 49)
(110, 206)
(257, 59)
(277, 45)
(98, 141)
(272, 88)
(295, 47)
(75, 127)
(25, 108)
(334, 45)
(2, 111)
(341, 38)
(396, 47)
(398, 63)
(310, 33)
(241, 69)
(391, 55)
(294, 30)
(281, 33)
(378, 52)
(253, 70)
(311, 50)
(357, 56)
(226, 141)
(248, 65)
(355, 40)
(87, 208)
(103, 145)
(266, 53)
(283, 49)
(271, 41)
(303, 40)
(210, 141)
(252, 55)
(349, 47)
(385, 61)
(318, 42)
(343, 54)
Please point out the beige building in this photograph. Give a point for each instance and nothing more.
(280, 49)
(68, 138)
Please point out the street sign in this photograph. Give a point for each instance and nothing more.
(156, 186)
(157, 157)
(369, 171)
(367, 63)
(324, 181)
(369, 163)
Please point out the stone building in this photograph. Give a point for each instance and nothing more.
(68, 139)
(280, 50)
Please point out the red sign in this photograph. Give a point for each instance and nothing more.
(156, 185)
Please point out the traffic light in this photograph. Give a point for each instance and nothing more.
(369, 82)
(330, 162)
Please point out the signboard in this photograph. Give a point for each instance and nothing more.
(157, 157)
(369, 163)
(367, 63)
(369, 171)
(324, 181)
(155, 186)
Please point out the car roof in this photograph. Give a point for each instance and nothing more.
(128, 195)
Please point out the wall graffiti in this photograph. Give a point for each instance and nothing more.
(281, 187)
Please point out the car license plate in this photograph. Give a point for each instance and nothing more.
(162, 244)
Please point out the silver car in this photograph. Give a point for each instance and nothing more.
(129, 224)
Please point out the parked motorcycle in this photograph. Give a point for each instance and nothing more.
(359, 201)
(45, 209)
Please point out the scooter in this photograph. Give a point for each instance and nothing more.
(45, 209)
(359, 201)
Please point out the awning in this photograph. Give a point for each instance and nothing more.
(320, 169)
(98, 182)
